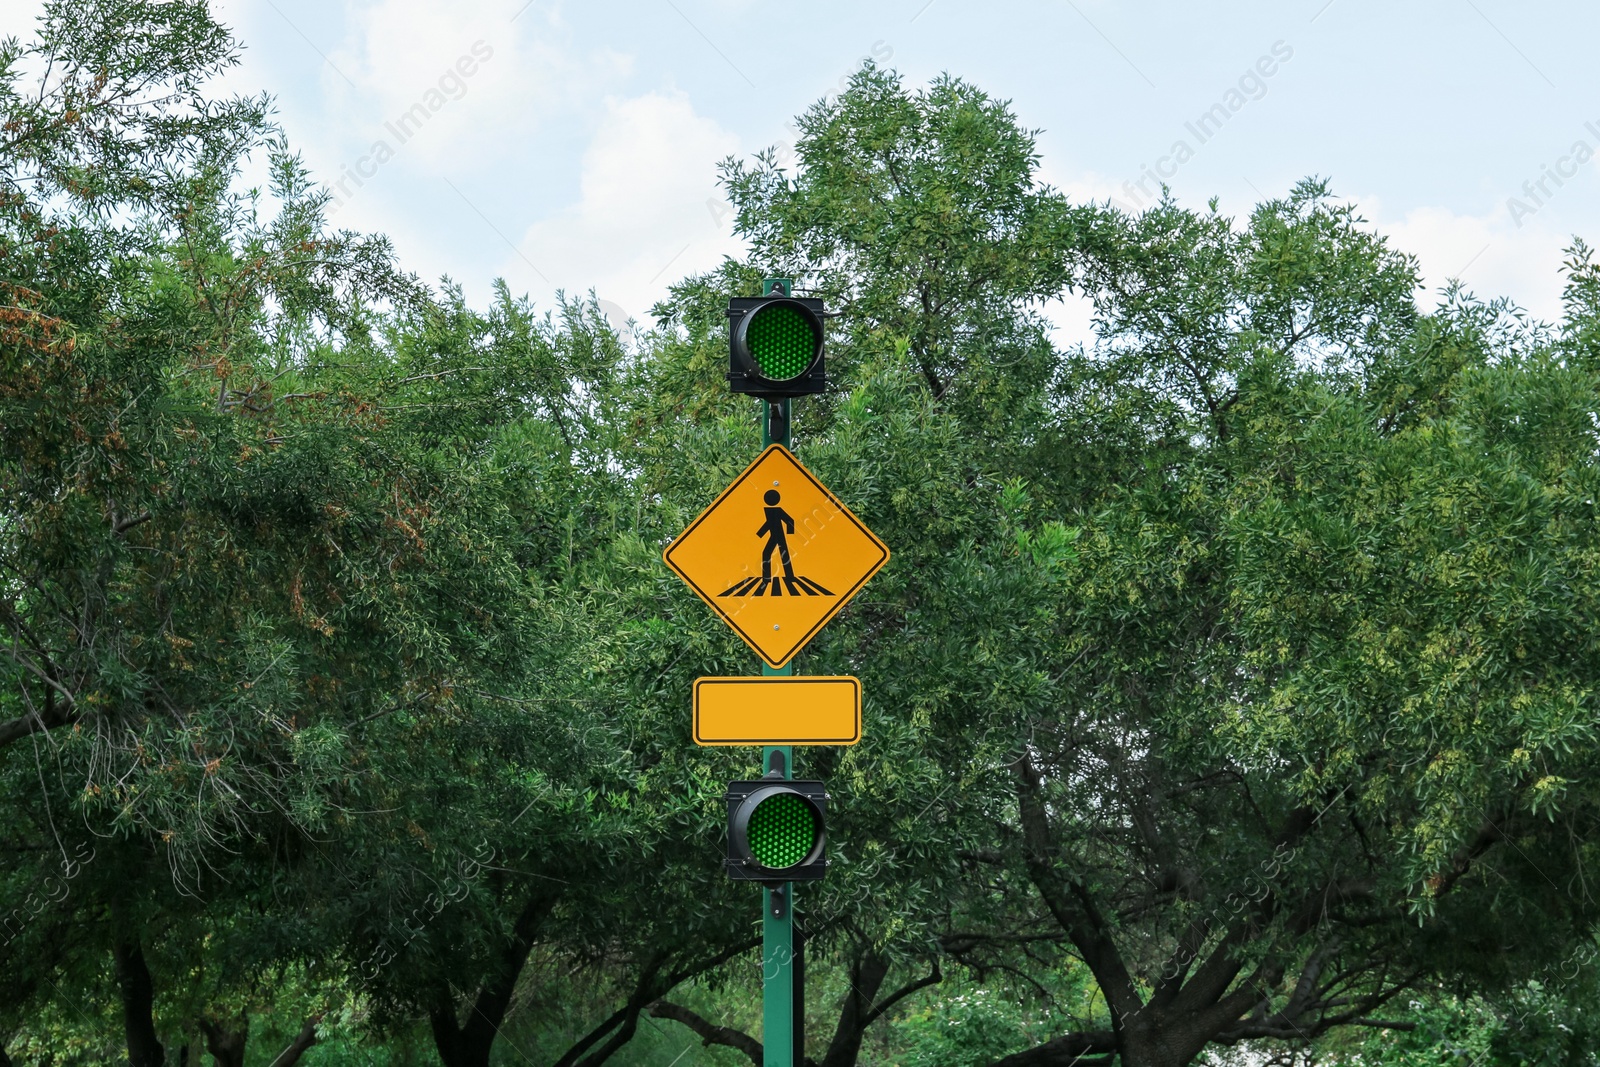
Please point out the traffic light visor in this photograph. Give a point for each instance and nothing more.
(782, 831)
(782, 340)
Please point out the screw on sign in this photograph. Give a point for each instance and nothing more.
(776, 555)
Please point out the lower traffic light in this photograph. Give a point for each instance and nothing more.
(776, 830)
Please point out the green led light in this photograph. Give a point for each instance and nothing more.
(783, 829)
(782, 341)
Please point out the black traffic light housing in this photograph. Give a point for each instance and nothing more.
(775, 345)
(777, 830)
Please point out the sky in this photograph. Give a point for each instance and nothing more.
(574, 147)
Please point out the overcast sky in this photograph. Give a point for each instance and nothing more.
(574, 146)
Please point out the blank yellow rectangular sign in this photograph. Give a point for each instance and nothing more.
(777, 710)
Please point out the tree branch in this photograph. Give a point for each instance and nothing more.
(62, 713)
(709, 1032)
(297, 1048)
(1071, 904)
(651, 987)
(27, 725)
(1093, 1048)
(122, 526)
(933, 977)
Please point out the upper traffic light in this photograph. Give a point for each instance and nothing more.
(776, 830)
(775, 345)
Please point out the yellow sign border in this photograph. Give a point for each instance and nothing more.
(793, 680)
(710, 599)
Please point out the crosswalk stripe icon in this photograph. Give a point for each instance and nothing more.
(776, 555)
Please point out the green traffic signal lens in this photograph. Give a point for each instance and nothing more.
(783, 830)
(781, 341)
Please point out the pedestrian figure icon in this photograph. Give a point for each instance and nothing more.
(776, 529)
(777, 521)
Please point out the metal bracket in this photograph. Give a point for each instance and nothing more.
(777, 421)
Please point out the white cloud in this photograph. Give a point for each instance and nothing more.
(642, 219)
(525, 67)
(1079, 187)
(19, 20)
(1489, 253)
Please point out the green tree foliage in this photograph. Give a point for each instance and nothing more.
(1230, 683)
(1287, 732)
(281, 557)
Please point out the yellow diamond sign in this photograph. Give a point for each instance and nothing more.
(776, 555)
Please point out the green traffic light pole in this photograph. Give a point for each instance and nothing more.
(782, 950)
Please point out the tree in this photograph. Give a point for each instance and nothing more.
(1237, 661)
(264, 532)
(1272, 668)
(1288, 681)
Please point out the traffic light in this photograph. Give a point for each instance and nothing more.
(776, 830)
(775, 346)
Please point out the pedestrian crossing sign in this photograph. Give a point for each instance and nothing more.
(776, 555)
